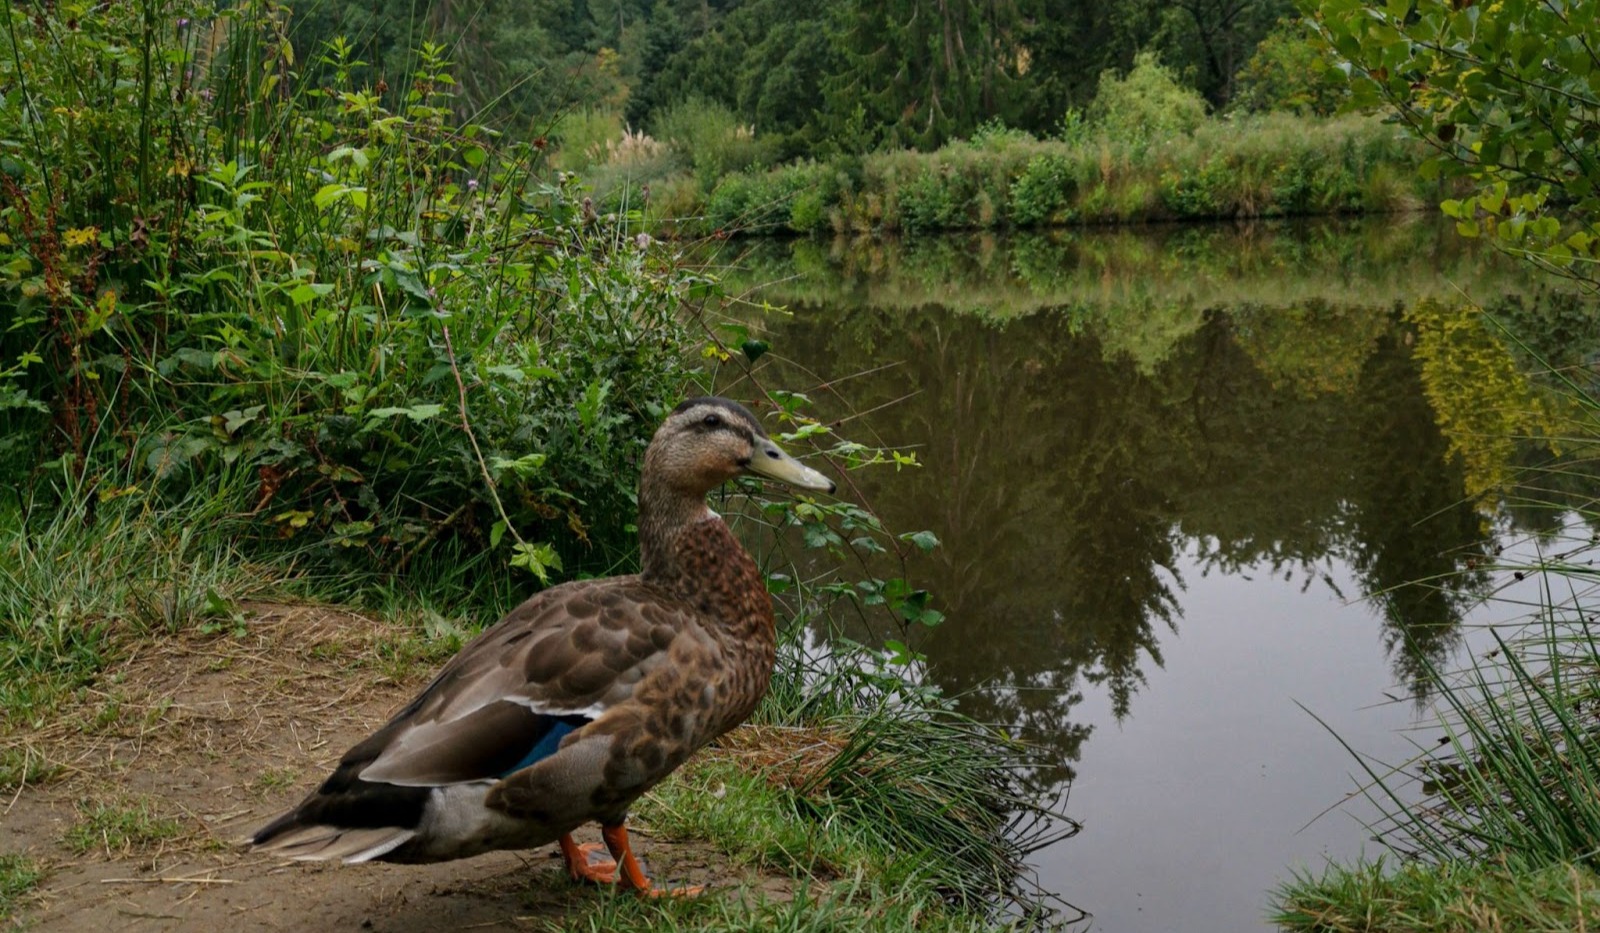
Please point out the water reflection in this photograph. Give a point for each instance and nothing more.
(1088, 412)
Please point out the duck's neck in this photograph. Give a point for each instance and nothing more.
(665, 513)
(686, 549)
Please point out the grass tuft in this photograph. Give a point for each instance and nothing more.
(1448, 897)
(120, 829)
(19, 875)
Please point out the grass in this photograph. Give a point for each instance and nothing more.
(847, 907)
(120, 829)
(24, 765)
(1271, 165)
(1449, 897)
(18, 876)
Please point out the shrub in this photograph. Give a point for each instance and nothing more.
(1291, 70)
(319, 293)
(1042, 190)
(710, 139)
(586, 137)
(1146, 104)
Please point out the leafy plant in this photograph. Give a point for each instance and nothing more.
(1504, 95)
(1147, 103)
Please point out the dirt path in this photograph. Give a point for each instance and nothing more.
(192, 743)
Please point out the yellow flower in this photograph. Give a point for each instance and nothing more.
(82, 236)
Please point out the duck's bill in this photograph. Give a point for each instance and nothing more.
(770, 461)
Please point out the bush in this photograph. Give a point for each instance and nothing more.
(318, 293)
(1041, 192)
(710, 139)
(586, 137)
(1291, 70)
(1146, 104)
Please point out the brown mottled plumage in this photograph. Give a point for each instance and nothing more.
(580, 699)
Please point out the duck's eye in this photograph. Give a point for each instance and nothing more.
(712, 421)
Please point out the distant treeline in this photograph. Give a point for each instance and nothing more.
(826, 77)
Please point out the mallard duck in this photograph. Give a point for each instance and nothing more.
(582, 698)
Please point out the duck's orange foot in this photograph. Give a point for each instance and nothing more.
(588, 862)
(632, 873)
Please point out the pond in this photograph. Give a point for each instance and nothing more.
(1186, 482)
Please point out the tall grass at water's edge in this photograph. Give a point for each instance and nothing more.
(1498, 823)
(1273, 165)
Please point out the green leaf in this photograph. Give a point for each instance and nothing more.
(539, 559)
(924, 540)
(419, 413)
(328, 194)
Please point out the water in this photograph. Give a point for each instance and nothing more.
(1183, 479)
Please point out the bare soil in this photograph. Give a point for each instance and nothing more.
(218, 734)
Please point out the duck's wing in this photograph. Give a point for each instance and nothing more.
(552, 665)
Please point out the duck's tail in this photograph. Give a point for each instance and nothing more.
(289, 837)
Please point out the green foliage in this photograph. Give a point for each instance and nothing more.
(118, 830)
(1041, 193)
(1453, 897)
(1266, 166)
(710, 138)
(375, 316)
(1506, 96)
(1146, 104)
(1292, 70)
(923, 75)
(584, 137)
(18, 875)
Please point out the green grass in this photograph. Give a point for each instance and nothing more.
(18, 876)
(23, 765)
(1448, 897)
(1272, 165)
(846, 907)
(120, 828)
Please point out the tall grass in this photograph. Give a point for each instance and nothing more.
(1272, 165)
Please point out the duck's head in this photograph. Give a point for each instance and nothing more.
(707, 441)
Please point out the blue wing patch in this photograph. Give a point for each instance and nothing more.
(559, 727)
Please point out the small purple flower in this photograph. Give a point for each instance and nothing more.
(472, 184)
(642, 241)
(182, 23)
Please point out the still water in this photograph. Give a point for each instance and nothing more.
(1184, 481)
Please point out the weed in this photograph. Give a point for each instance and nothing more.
(119, 830)
(18, 876)
(23, 765)
(276, 779)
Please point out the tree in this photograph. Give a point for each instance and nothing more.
(1225, 32)
(924, 71)
(1508, 94)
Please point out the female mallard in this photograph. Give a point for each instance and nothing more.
(583, 697)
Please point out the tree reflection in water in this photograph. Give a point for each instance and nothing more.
(1079, 458)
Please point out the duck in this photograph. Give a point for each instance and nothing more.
(582, 698)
